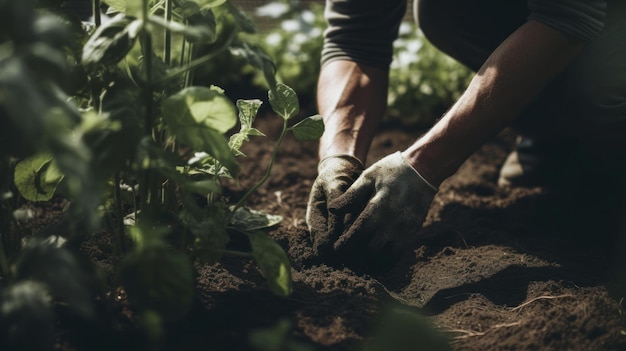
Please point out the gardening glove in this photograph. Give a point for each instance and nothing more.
(388, 204)
(335, 174)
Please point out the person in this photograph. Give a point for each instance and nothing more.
(553, 70)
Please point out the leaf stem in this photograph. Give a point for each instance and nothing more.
(268, 172)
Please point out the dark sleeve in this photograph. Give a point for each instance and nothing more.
(362, 30)
(580, 19)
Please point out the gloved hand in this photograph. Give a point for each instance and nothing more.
(388, 204)
(335, 174)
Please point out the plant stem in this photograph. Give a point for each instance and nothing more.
(95, 11)
(149, 189)
(116, 238)
(174, 72)
(4, 263)
(167, 49)
(119, 214)
(268, 172)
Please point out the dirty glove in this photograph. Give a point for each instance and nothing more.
(335, 174)
(388, 204)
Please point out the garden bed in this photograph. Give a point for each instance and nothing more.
(495, 269)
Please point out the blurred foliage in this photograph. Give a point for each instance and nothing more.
(424, 82)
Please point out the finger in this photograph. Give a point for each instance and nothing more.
(354, 199)
(365, 228)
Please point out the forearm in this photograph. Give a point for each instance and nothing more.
(352, 99)
(508, 82)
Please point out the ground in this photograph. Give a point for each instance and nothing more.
(492, 268)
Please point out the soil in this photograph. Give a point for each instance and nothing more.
(492, 268)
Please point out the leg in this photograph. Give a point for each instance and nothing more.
(469, 31)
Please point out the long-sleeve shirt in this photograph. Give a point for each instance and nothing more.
(364, 30)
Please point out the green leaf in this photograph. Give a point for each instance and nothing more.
(273, 262)
(129, 7)
(250, 220)
(110, 43)
(202, 105)
(37, 177)
(248, 110)
(159, 280)
(210, 3)
(284, 101)
(309, 129)
(247, 113)
(119, 5)
(199, 116)
(201, 28)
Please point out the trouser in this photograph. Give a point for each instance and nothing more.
(586, 102)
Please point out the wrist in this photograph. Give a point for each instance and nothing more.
(426, 166)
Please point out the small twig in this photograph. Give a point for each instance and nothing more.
(472, 333)
(544, 297)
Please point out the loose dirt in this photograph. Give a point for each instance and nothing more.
(492, 268)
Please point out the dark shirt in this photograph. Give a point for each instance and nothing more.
(364, 30)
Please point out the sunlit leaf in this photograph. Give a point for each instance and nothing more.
(210, 3)
(202, 105)
(309, 129)
(284, 101)
(37, 177)
(247, 113)
(119, 5)
(201, 28)
(248, 110)
(110, 43)
(198, 116)
(273, 262)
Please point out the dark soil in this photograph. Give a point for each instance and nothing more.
(493, 268)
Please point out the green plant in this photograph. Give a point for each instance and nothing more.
(138, 147)
(295, 43)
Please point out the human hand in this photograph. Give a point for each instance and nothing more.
(335, 174)
(388, 204)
